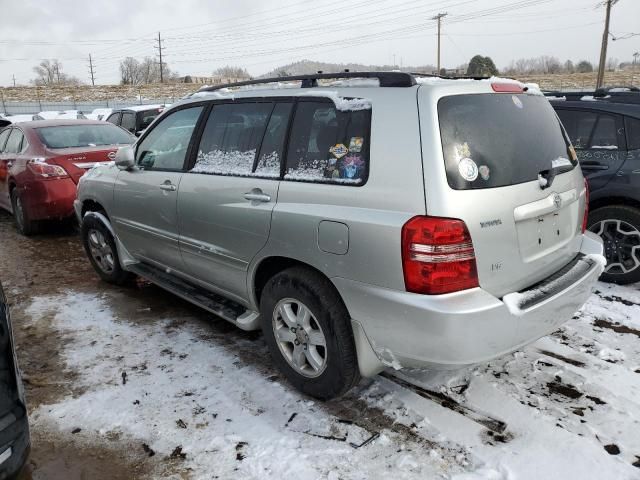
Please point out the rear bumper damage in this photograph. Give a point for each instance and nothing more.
(472, 326)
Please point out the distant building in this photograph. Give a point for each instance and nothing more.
(217, 80)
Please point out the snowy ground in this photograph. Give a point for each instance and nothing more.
(210, 404)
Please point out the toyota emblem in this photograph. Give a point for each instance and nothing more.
(557, 201)
(111, 155)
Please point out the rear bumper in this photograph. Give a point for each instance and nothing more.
(49, 199)
(15, 445)
(463, 328)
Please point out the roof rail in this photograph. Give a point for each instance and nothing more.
(386, 79)
(450, 77)
(605, 94)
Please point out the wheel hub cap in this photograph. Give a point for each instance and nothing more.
(299, 337)
(101, 251)
(621, 245)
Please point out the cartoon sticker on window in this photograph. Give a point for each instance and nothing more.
(352, 167)
(468, 169)
(484, 172)
(355, 145)
(339, 150)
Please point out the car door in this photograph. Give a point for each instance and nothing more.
(4, 171)
(598, 138)
(11, 151)
(145, 197)
(226, 198)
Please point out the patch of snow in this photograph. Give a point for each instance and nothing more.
(605, 147)
(355, 82)
(588, 98)
(542, 181)
(561, 162)
(619, 89)
(342, 104)
(611, 355)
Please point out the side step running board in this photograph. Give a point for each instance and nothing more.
(212, 302)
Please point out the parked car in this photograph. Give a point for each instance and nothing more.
(9, 119)
(15, 442)
(135, 119)
(360, 226)
(41, 162)
(99, 114)
(604, 127)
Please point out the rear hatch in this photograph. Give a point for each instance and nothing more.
(502, 163)
(76, 161)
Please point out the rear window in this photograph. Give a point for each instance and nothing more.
(494, 140)
(146, 117)
(71, 136)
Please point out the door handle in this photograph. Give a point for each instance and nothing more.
(9, 164)
(593, 166)
(256, 195)
(168, 186)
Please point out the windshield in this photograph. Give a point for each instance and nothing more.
(494, 140)
(89, 135)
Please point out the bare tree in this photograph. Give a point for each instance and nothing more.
(130, 71)
(612, 64)
(236, 73)
(135, 72)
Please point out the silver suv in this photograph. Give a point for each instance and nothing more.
(379, 219)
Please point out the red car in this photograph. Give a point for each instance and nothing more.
(42, 161)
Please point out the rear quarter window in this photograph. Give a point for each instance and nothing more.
(495, 140)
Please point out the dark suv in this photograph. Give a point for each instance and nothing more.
(604, 127)
(14, 428)
(135, 119)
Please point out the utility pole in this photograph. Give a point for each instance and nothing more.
(439, 18)
(159, 47)
(14, 79)
(58, 72)
(605, 41)
(91, 72)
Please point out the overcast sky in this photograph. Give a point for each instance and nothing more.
(201, 35)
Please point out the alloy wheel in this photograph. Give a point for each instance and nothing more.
(101, 251)
(621, 245)
(299, 337)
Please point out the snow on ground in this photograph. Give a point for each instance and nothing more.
(567, 406)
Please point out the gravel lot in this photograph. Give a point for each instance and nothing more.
(135, 383)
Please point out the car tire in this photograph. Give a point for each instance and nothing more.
(21, 219)
(100, 247)
(323, 372)
(619, 228)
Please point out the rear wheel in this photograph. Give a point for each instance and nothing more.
(619, 228)
(100, 247)
(308, 331)
(20, 217)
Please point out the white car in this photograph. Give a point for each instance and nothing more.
(99, 114)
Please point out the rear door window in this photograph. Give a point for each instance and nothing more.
(128, 121)
(494, 140)
(579, 125)
(4, 134)
(632, 126)
(232, 137)
(328, 145)
(14, 143)
(270, 156)
(113, 118)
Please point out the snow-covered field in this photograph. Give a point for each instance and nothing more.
(565, 407)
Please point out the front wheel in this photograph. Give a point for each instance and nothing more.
(100, 247)
(619, 228)
(308, 331)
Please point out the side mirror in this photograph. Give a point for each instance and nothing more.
(125, 158)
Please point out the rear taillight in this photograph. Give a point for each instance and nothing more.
(43, 169)
(586, 206)
(437, 256)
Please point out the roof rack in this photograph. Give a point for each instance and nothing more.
(624, 94)
(386, 79)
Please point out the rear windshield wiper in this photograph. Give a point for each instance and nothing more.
(546, 177)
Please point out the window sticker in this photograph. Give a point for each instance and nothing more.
(468, 169)
(352, 167)
(355, 145)
(339, 150)
(484, 172)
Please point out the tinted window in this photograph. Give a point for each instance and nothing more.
(632, 128)
(327, 145)
(14, 144)
(493, 140)
(231, 138)
(91, 135)
(145, 118)
(128, 121)
(113, 118)
(4, 134)
(605, 134)
(273, 143)
(165, 147)
(579, 126)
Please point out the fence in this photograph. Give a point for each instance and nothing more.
(31, 108)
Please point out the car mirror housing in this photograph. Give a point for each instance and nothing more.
(125, 158)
